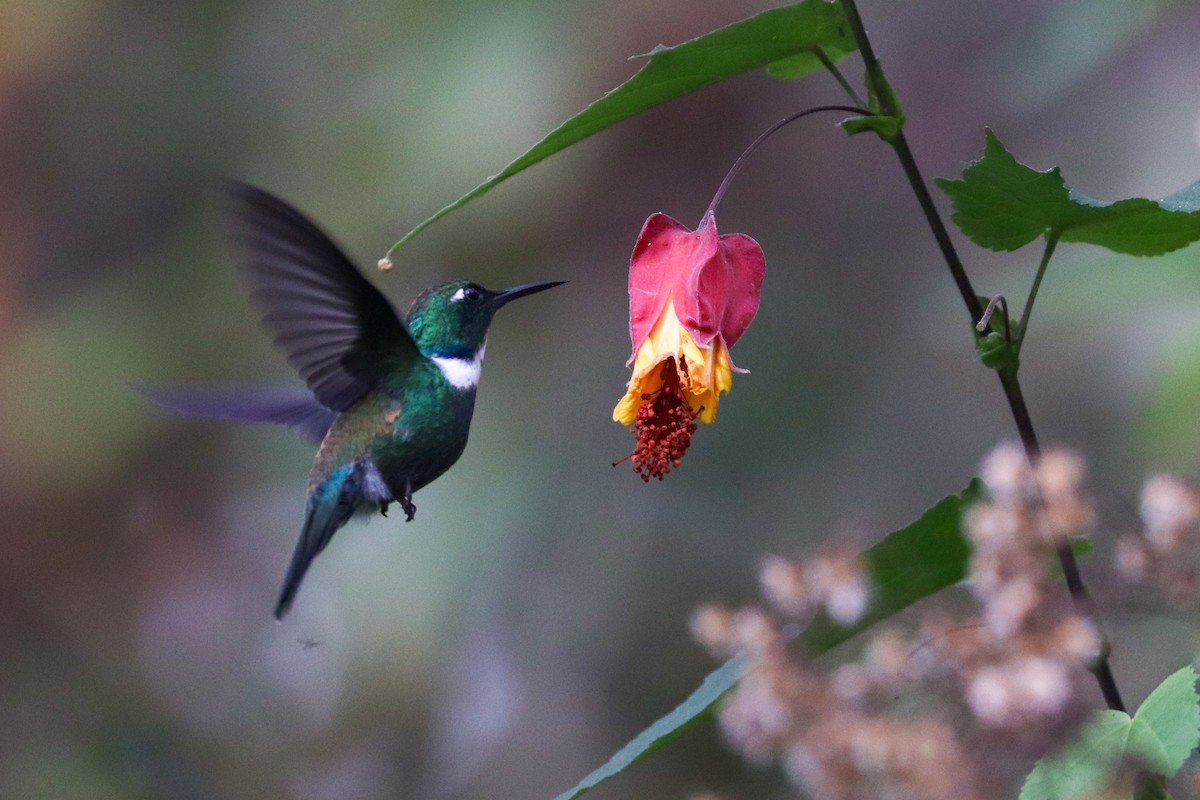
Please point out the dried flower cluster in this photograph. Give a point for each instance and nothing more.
(1166, 549)
(824, 728)
(1017, 666)
(833, 581)
(1008, 672)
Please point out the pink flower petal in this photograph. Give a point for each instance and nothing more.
(720, 293)
(748, 266)
(658, 256)
(715, 281)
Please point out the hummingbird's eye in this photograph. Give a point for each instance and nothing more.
(469, 293)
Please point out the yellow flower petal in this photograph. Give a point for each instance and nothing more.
(707, 371)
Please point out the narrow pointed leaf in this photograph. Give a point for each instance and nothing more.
(916, 561)
(792, 32)
(697, 707)
(1002, 204)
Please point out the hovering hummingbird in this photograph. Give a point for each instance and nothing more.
(389, 399)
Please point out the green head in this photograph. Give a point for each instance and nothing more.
(451, 320)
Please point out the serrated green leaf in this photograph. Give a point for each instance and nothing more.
(1002, 204)
(1085, 766)
(792, 32)
(927, 556)
(691, 711)
(1160, 736)
(1166, 728)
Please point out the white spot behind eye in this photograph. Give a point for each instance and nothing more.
(459, 296)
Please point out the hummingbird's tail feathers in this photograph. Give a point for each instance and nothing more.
(329, 508)
(336, 328)
(294, 408)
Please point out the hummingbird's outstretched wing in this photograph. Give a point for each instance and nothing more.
(330, 506)
(295, 408)
(337, 329)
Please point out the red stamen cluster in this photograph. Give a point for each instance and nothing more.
(664, 426)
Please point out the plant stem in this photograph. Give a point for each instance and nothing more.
(1051, 243)
(874, 76)
(762, 137)
(1066, 556)
(1008, 377)
(917, 182)
(839, 77)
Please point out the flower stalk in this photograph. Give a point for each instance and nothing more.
(762, 137)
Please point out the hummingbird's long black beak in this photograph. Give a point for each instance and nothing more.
(502, 297)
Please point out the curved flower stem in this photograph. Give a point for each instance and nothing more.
(762, 137)
(881, 93)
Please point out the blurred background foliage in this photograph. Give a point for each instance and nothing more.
(533, 617)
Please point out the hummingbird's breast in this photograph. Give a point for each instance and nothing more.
(427, 420)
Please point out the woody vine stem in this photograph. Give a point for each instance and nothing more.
(883, 103)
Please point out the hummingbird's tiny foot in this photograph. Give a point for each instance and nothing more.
(383, 509)
(406, 502)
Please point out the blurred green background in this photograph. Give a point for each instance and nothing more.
(533, 617)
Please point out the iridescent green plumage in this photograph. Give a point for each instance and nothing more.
(391, 400)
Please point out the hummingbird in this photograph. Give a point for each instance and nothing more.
(389, 398)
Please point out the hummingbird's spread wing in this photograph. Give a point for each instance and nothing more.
(337, 329)
(295, 408)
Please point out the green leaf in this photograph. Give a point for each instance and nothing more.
(1085, 766)
(696, 708)
(787, 37)
(882, 124)
(1160, 736)
(887, 117)
(914, 562)
(801, 64)
(996, 352)
(1166, 728)
(1002, 204)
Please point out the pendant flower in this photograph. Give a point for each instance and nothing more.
(692, 294)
